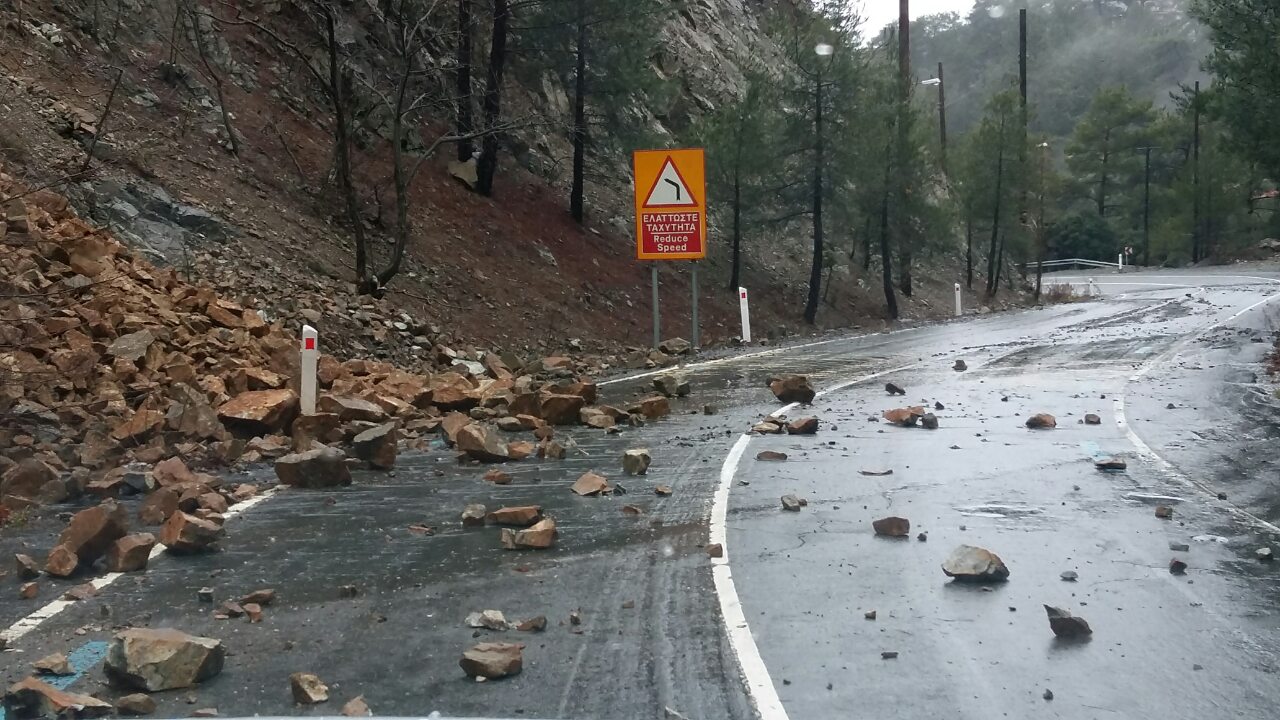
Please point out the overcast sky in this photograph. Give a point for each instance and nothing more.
(878, 13)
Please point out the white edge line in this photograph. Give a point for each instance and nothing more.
(759, 684)
(37, 618)
(1118, 405)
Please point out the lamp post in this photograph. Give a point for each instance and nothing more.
(1040, 248)
(822, 50)
(942, 114)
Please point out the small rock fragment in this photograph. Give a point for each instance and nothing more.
(1048, 694)
(1041, 421)
(715, 550)
(876, 473)
(791, 502)
(1066, 625)
(923, 537)
(771, 455)
(1069, 575)
(870, 614)
(1263, 554)
(591, 484)
(28, 568)
(307, 689)
(1111, 463)
(892, 526)
(1164, 512)
(960, 366)
(473, 515)
(540, 535)
(497, 477)
(663, 490)
(974, 564)
(1179, 547)
(1177, 567)
(135, 704)
(533, 624)
(492, 660)
(356, 707)
(636, 461)
(888, 654)
(1092, 419)
(55, 664)
(929, 421)
(487, 619)
(894, 389)
(803, 426)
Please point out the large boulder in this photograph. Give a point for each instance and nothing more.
(92, 531)
(322, 467)
(652, 407)
(163, 659)
(636, 461)
(561, 409)
(522, 516)
(492, 660)
(540, 535)
(191, 414)
(892, 526)
(482, 443)
(130, 553)
(675, 346)
(349, 408)
(29, 479)
(259, 412)
(792, 389)
(974, 564)
(377, 446)
(671, 385)
(31, 698)
(1042, 421)
(183, 533)
(159, 505)
(452, 391)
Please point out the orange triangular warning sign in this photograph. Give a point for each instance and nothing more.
(669, 190)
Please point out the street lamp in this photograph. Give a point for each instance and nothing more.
(942, 115)
(822, 50)
(1040, 245)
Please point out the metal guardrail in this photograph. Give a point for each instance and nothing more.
(1072, 263)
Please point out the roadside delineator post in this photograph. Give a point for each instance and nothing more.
(1120, 262)
(1093, 289)
(310, 357)
(959, 312)
(746, 315)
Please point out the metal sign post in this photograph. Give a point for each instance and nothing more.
(694, 281)
(671, 216)
(746, 315)
(657, 329)
(310, 358)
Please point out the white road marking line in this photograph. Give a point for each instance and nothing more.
(760, 688)
(1118, 407)
(37, 618)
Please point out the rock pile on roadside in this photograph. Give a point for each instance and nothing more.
(110, 366)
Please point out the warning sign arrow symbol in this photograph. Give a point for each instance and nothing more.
(669, 189)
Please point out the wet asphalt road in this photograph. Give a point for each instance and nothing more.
(1204, 645)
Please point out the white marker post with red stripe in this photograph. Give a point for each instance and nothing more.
(310, 358)
(959, 310)
(746, 315)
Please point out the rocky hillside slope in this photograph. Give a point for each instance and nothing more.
(512, 272)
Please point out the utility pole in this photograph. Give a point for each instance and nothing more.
(1195, 176)
(1146, 203)
(1040, 245)
(942, 117)
(904, 99)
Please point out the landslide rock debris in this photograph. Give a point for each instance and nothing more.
(792, 389)
(968, 563)
(791, 503)
(356, 707)
(31, 698)
(308, 689)
(135, 704)
(803, 426)
(590, 484)
(539, 536)
(1041, 421)
(636, 461)
(892, 526)
(493, 660)
(893, 389)
(1066, 625)
(162, 659)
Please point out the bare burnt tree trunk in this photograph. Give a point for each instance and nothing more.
(579, 117)
(462, 80)
(342, 153)
(491, 105)
(993, 280)
(216, 77)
